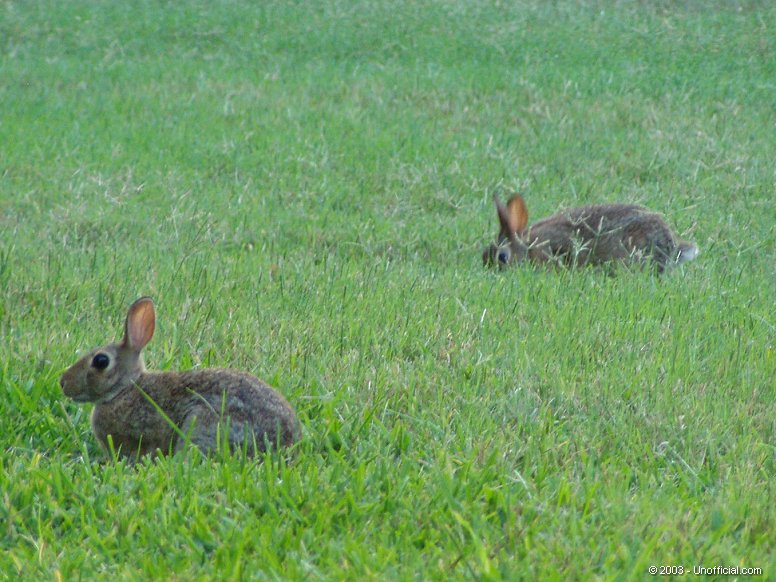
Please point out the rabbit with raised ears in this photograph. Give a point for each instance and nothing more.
(587, 235)
(158, 412)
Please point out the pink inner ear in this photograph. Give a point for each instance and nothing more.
(140, 325)
(504, 221)
(518, 214)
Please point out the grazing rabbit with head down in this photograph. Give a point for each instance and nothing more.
(587, 235)
(158, 412)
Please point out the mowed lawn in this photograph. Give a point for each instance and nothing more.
(305, 189)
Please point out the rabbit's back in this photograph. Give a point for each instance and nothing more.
(164, 409)
(599, 233)
(251, 406)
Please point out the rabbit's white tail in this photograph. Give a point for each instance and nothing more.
(687, 252)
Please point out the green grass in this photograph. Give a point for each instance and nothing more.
(304, 188)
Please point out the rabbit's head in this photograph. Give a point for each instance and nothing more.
(106, 371)
(509, 247)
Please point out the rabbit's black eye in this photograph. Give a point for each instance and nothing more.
(100, 361)
(503, 256)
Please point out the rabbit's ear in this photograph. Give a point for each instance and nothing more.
(141, 321)
(506, 232)
(508, 217)
(518, 213)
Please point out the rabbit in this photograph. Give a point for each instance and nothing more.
(187, 406)
(587, 235)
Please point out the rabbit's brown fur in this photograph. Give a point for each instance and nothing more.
(201, 404)
(587, 235)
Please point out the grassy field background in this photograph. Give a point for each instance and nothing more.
(304, 188)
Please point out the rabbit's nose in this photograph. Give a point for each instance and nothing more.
(65, 380)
